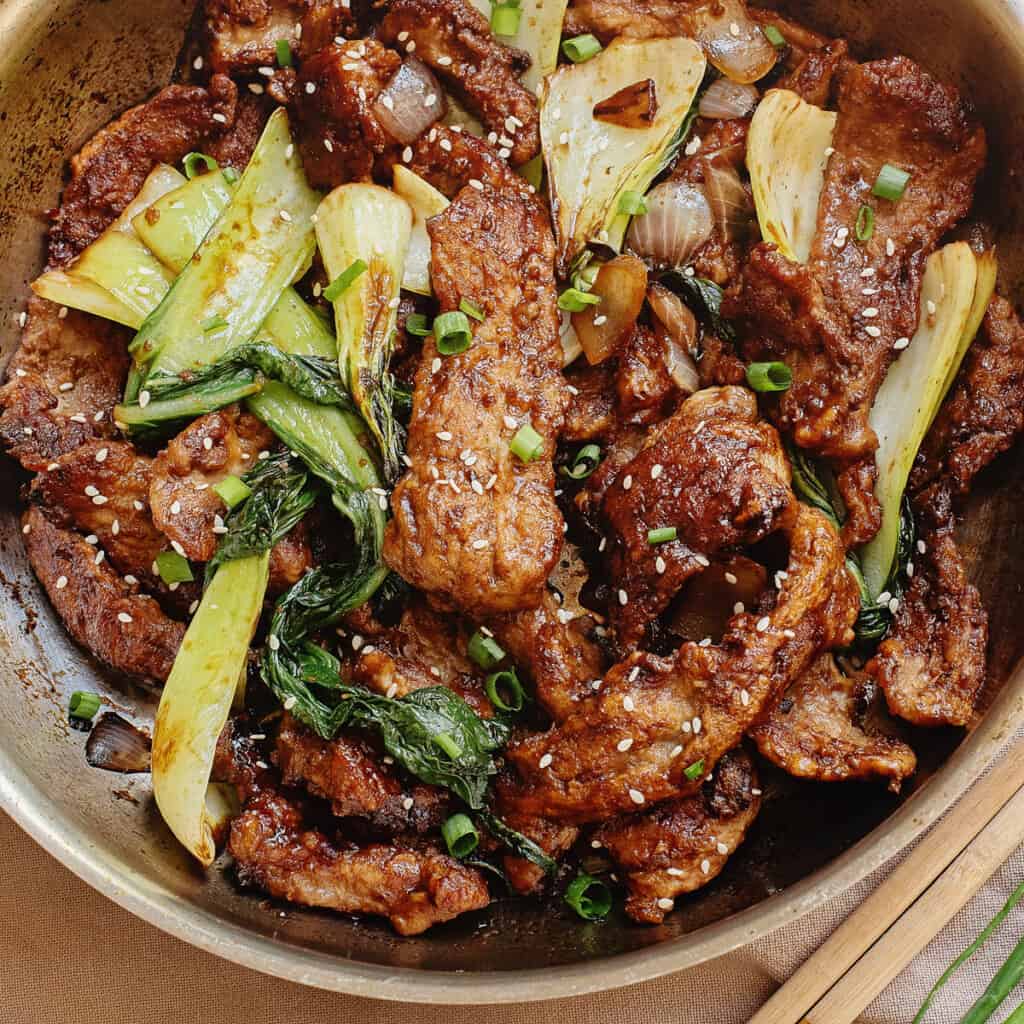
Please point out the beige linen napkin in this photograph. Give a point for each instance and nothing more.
(70, 956)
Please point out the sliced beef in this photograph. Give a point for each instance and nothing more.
(814, 78)
(553, 838)
(450, 159)
(836, 320)
(716, 474)
(350, 773)
(110, 169)
(591, 412)
(638, 19)
(102, 489)
(474, 525)
(680, 846)
(455, 40)
(63, 380)
(123, 628)
(645, 389)
(629, 745)
(339, 135)
(234, 146)
(932, 665)
(242, 35)
(414, 888)
(984, 412)
(821, 729)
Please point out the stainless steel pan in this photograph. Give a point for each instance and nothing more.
(67, 67)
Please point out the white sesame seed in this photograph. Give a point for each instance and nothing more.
(628, 704)
(603, 544)
(921, 547)
(443, 435)
(177, 547)
(901, 343)
(701, 560)
(175, 507)
(115, 527)
(890, 247)
(479, 545)
(756, 792)
(869, 291)
(124, 617)
(511, 422)
(657, 470)
(634, 674)
(92, 539)
(504, 153)
(730, 577)
(873, 332)
(256, 89)
(130, 579)
(311, 88)
(664, 903)
(62, 313)
(636, 796)
(910, 570)
(623, 745)
(706, 642)
(884, 597)
(62, 582)
(144, 397)
(478, 185)
(407, 155)
(99, 499)
(66, 386)
(545, 761)
(693, 145)
(446, 145)
(762, 624)
(744, 698)
(407, 803)
(563, 139)
(705, 867)
(870, 313)
(627, 482)
(78, 418)
(659, 565)
(675, 872)
(435, 364)
(868, 272)
(739, 608)
(392, 690)
(676, 751)
(444, 61)
(220, 118)
(687, 726)
(696, 725)
(208, 443)
(137, 505)
(22, 319)
(894, 605)
(266, 72)
(789, 634)
(623, 598)
(289, 703)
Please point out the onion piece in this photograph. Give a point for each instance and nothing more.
(724, 100)
(677, 223)
(733, 42)
(411, 101)
(118, 746)
(678, 326)
(622, 285)
(731, 205)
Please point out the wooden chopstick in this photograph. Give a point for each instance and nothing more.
(896, 921)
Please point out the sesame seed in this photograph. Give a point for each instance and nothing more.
(603, 544)
(744, 698)
(884, 597)
(504, 153)
(144, 397)
(62, 582)
(664, 903)
(701, 560)
(407, 803)
(175, 507)
(931, 307)
(92, 539)
(328, 145)
(478, 185)
(446, 145)
(628, 704)
(444, 61)
(266, 72)
(868, 272)
(636, 796)
(675, 872)
(256, 89)
(435, 364)
(177, 547)
(623, 745)
(687, 726)
(311, 88)
(600, 319)
(657, 470)
(762, 624)
(634, 673)
(563, 139)
(392, 690)
(124, 617)
(99, 499)
(869, 291)
(66, 386)
(789, 634)
(443, 435)
(510, 422)
(130, 579)
(873, 332)
(137, 505)
(430, 100)
(289, 703)
(739, 608)
(627, 482)
(722, 848)
(115, 527)
(693, 145)
(208, 443)
(705, 867)
(479, 545)
(545, 761)
(407, 155)
(870, 313)
(706, 642)
(220, 119)
(676, 751)
(659, 565)
(623, 598)
(285, 216)
(62, 313)
(78, 418)
(894, 605)
(696, 725)
(22, 319)
(890, 247)
(901, 343)
(490, 483)
(730, 577)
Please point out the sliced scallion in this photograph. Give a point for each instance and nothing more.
(865, 226)
(527, 444)
(452, 334)
(460, 835)
(447, 744)
(471, 309)
(774, 36)
(173, 568)
(418, 325)
(632, 203)
(586, 461)
(662, 535)
(573, 300)
(343, 281)
(581, 48)
(485, 651)
(83, 705)
(891, 183)
(695, 771)
(233, 491)
(589, 897)
(231, 176)
(505, 691)
(191, 163)
(505, 18)
(284, 53)
(767, 377)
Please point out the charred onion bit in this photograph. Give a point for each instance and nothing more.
(635, 106)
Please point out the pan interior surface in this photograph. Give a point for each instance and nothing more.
(70, 66)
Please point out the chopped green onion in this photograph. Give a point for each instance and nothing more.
(215, 323)
(452, 334)
(581, 48)
(485, 651)
(284, 53)
(766, 377)
(471, 309)
(695, 771)
(83, 705)
(447, 744)
(173, 568)
(417, 324)
(583, 280)
(505, 691)
(662, 535)
(341, 283)
(589, 897)
(505, 19)
(192, 160)
(774, 36)
(230, 175)
(865, 226)
(233, 491)
(460, 835)
(891, 183)
(527, 444)
(632, 203)
(573, 300)
(586, 461)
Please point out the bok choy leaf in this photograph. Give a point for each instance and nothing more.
(363, 232)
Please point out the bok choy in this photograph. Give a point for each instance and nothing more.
(952, 294)
(363, 232)
(592, 162)
(787, 151)
(425, 202)
(538, 34)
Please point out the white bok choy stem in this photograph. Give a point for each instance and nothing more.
(952, 293)
(787, 151)
(425, 202)
(197, 698)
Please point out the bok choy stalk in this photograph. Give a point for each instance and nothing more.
(432, 732)
(915, 385)
(117, 276)
(539, 34)
(787, 152)
(262, 242)
(425, 202)
(363, 232)
(591, 162)
(211, 663)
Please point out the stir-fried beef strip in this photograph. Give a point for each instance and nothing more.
(109, 171)
(474, 524)
(354, 777)
(234, 146)
(932, 665)
(715, 474)
(800, 40)
(815, 78)
(63, 380)
(680, 846)
(450, 159)
(630, 744)
(414, 888)
(104, 613)
(455, 40)
(636, 19)
(821, 729)
(242, 35)
(837, 320)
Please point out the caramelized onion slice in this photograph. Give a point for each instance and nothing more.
(411, 101)
(635, 106)
(622, 284)
(724, 100)
(678, 327)
(731, 204)
(118, 746)
(677, 223)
